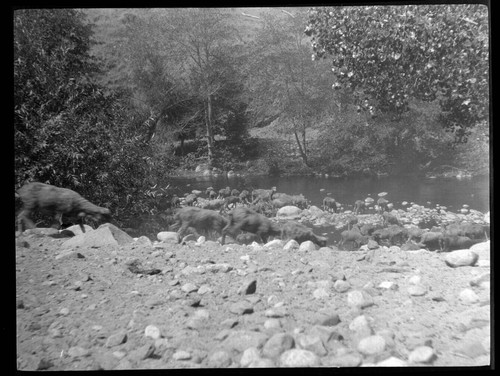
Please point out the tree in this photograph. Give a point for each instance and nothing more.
(284, 80)
(424, 52)
(68, 130)
(204, 39)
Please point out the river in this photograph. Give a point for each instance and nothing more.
(450, 192)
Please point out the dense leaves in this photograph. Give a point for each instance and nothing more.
(69, 131)
(388, 55)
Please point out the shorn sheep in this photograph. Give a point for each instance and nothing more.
(56, 201)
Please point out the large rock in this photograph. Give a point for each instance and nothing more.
(289, 212)
(76, 229)
(482, 250)
(316, 212)
(168, 237)
(462, 257)
(307, 246)
(106, 234)
(299, 358)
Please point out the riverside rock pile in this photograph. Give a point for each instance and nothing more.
(102, 300)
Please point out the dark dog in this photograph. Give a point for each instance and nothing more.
(245, 219)
(56, 201)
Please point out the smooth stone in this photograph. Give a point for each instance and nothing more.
(468, 296)
(299, 358)
(422, 354)
(417, 290)
(277, 344)
(291, 245)
(371, 345)
(249, 355)
(341, 285)
(461, 257)
(358, 298)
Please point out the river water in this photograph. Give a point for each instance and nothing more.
(450, 192)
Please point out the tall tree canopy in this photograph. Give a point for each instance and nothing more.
(388, 54)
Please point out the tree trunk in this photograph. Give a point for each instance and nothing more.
(151, 124)
(210, 136)
(301, 149)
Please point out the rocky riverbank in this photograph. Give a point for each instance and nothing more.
(103, 300)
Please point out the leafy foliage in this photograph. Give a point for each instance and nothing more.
(423, 52)
(69, 131)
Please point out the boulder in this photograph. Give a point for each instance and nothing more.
(307, 246)
(106, 234)
(316, 212)
(289, 212)
(462, 257)
(168, 236)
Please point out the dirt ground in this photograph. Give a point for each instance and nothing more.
(151, 305)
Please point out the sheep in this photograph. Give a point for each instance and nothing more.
(211, 193)
(431, 240)
(451, 242)
(56, 201)
(389, 219)
(353, 236)
(263, 195)
(359, 206)
(329, 203)
(190, 199)
(225, 192)
(198, 219)
(231, 200)
(245, 219)
(244, 195)
(301, 233)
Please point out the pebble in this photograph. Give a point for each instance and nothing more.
(64, 311)
(462, 257)
(468, 296)
(229, 323)
(417, 290)
(116, 339)
(341, 285)
(277, 344)
(271, 324)
(422, 354)
(480, 280)
(320, 293)
(371, 345)
(201, 240)
(330, 319)
(291, 245)
(346, 360)
(249, 356)
(276, 243)
(248, 287)
(307, 246)
(181, 355)
(415, 280)
(219, 359)
(241, 308)
(312, 343)
(262, 363)
(189, 287)
(392, 362)
(276, 312)
(299, 358)
(358, 298)
(78, 352)
(142, 352)
(152, 331)
(204, 289)
(359, 323)
(389, 285)
(240, 340)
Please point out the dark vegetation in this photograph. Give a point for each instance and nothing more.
(110, 102)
